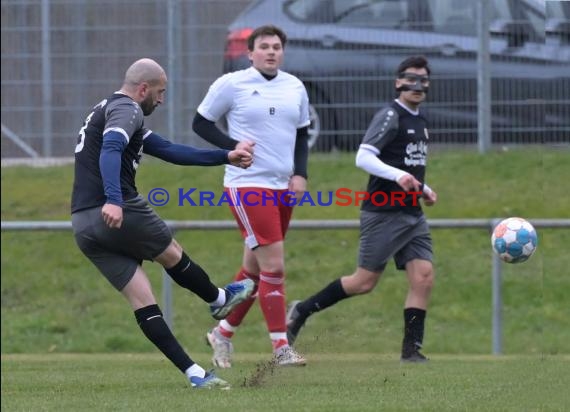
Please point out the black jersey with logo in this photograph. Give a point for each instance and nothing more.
(401, 137)
(117, 113)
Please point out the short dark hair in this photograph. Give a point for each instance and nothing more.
(268, 30)
(417, 62)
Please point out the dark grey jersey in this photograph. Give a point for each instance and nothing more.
(117, 113)
(401, 137)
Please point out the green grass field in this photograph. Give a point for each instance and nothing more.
(335, 382)
(54, 302)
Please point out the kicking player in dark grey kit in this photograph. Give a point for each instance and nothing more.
(393, 151)
(115, 227)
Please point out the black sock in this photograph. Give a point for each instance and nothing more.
(156, 330)
(413, 330)
(191, 276)
(328, 296)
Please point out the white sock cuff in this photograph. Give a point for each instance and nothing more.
(221, 298)
(225, 325)
(278, 335)
(195, 370)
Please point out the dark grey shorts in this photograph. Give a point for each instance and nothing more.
(117, 252)
(398, 234)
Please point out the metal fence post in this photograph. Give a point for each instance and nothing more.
(483, 78)
(46, 80)
(497, 299)
(173, 22)
(172, 37)
(167, 299)
(167, 310)
(497, 306)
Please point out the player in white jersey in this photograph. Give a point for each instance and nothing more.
(267, 111)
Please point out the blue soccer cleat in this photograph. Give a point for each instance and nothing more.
(210, 381)
(236, 293)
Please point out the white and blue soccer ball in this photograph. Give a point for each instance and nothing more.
(514, 240)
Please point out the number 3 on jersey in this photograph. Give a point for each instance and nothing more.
(81, 138)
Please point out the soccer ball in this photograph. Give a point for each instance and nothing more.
(514, 240)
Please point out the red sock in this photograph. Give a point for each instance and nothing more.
(238, 314)
(272, 301)
(278, 343)
(224, 330)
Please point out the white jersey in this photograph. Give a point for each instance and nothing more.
(268, 112)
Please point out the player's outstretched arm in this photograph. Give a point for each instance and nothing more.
(181, 154)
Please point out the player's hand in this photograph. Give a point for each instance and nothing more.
(409, 183)
(246, 145)
(298, 185)
(112, 215)
(430, 198)
(240, 158)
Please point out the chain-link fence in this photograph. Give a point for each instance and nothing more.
(60, 57)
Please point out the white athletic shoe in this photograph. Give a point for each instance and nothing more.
(287, 356)
(222, 347)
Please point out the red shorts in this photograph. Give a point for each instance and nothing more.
(263, 215)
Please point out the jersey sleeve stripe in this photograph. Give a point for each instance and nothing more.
(118, 130)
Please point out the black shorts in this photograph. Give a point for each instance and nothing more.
(117, 252)
(385, 234)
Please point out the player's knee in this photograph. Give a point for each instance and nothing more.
(174, 244)
(424, 279)
(430, 278)
(428, 274)
(273, 266)
(171, 255)
(359, 283)
(366, 287)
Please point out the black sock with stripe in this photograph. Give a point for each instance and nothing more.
(157, 331)
(191, 276)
